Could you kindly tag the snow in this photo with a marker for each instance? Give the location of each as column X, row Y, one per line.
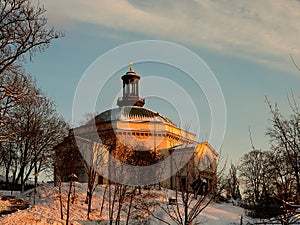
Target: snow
column 223, row 214
column 4, row 205
column 46, row 211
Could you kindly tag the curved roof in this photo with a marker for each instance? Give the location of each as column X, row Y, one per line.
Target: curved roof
column 131, row 113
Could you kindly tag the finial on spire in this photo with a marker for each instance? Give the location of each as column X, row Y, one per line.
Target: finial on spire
column 130, row 66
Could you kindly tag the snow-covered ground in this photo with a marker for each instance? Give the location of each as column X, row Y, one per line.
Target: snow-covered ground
column 46, row 211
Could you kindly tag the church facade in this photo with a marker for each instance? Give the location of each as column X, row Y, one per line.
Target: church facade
column 129, row 130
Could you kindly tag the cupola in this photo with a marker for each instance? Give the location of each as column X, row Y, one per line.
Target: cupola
column 131, row 90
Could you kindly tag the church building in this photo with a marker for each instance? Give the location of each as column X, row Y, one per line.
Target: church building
column 140, row 137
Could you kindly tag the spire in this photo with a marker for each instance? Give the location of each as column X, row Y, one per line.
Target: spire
column 130, row 66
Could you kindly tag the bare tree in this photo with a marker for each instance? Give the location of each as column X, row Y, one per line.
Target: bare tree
column 64, row 171
column 94, row 160
column 233, row 185
column 16, row 88
column 284, row 135
column 37, row 129
column 121, row 195
column 23, row 31
column 277, row 172
column 120, row 202
column 253, row 170
column 72, row 178
column 193, row 193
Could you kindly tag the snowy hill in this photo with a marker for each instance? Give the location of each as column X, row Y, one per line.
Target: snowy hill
column 47, row 209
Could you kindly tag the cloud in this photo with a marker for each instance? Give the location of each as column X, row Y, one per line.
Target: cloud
column 264, row 31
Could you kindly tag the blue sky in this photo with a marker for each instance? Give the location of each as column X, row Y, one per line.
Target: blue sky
column 247, row 45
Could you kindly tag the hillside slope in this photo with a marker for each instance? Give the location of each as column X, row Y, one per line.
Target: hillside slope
column 47, row 208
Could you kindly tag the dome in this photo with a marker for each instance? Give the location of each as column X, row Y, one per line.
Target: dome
column 131, row 113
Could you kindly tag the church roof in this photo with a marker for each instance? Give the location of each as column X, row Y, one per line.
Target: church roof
column 131, row 113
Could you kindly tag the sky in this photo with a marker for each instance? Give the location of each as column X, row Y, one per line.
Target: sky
column 247, row 46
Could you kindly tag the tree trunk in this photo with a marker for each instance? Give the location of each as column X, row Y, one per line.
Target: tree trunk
column 186, row 222
column 103, row 200
column 22, row 183
column 112, row 206
column 35, row 184
column 129, row 207
column 68, row 203
column 90, row 202
column 298, row 186
column 60, row 200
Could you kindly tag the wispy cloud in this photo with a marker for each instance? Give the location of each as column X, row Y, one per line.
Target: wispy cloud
column 264, row 31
